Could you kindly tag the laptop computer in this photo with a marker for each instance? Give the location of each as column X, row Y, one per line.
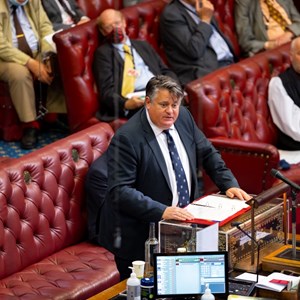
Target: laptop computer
column 185, row 275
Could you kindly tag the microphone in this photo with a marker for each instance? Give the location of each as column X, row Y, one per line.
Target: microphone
column 237, row 225
column 275, row 173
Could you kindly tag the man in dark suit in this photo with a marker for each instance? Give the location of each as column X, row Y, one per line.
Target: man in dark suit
column 64, row 13
column 108, row 67
column 193, row 43
column 142, row 186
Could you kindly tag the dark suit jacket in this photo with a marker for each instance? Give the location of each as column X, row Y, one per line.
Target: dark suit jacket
column 138, row 182
column 187, row 44
column 108, row 69
column 54, row 15
column 95, row 188
column 250, row 25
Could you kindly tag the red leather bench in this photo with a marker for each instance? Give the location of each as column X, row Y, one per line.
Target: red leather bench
column 43, row 222
column 76, row 47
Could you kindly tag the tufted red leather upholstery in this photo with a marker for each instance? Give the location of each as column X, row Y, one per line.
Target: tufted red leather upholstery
column 92, row 9
column 76, row 47
column 230, row 105
column 44, row 253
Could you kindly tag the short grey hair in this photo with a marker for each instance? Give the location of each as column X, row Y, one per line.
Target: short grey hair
column 159, row 82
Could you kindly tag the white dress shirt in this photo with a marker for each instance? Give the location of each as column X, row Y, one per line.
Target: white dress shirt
column 285, row 113
column 163, row 144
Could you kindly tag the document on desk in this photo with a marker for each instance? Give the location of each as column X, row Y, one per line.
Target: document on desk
column 216, row 208
column 275, row 281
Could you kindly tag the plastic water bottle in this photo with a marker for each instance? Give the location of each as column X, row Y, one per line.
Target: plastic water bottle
column 151, row 246
column 133, row 287
column 207, row 294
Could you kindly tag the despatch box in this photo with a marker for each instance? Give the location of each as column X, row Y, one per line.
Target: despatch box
column 175, row 236
column 269, row 226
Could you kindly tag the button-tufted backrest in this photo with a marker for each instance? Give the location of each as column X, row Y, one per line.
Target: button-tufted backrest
column 143, row 23
column 232, row 102
column 42, row 204
column 93, row 8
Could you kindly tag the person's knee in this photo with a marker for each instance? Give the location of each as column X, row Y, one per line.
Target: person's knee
column 19, row 74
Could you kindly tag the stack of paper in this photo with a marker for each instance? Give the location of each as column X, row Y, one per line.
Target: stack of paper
column 216, row 208
column 274, row 282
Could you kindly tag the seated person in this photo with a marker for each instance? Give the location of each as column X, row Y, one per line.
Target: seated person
column 284, row 101
column 118, row 71
column 193, row 43
column 64, row 13
column 265, row 24
column 22, row 30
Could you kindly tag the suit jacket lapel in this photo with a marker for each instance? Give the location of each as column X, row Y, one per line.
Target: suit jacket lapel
column 153, row 144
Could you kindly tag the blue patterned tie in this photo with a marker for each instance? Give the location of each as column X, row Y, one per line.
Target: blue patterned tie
column 182, row 185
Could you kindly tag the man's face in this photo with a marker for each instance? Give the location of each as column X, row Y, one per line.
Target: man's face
column 295, row 56
column 110, row 20
column 163, row 109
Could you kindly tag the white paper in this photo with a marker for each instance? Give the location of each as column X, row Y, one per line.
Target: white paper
column 49, row 39
column 264, row 281
column 141, row 94
column 208, row 238
column 292, row 157
column 215, row 208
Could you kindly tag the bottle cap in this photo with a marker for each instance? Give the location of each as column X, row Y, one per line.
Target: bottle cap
column 147, row 281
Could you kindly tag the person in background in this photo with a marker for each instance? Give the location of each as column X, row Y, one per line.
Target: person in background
column 192, row 41
column 64, row 13
column 265, row 24
column 284, row 101
column 23, row 28
column 123, row 66
column 143, row 184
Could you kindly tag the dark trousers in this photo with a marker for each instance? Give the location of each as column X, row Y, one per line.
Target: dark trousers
column 122, row 265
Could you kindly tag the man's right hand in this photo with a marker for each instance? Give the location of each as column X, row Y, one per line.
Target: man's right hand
column 205, row 10
column 177, row 213
column 39, row 71
column 133, row 103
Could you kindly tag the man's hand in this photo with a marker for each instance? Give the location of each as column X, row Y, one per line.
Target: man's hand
column 39, row 71
column 177, row 213
column 239, row 193
column 205, row 10
column 283, row 39
column 133, row 103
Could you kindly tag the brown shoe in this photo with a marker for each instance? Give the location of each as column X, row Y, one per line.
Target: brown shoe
column 29, row 139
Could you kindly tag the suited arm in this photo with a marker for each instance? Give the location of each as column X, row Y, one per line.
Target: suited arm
column 126, row 179
column 177, row 33
column 214, row 165
column 244, row 27
column 295, row 18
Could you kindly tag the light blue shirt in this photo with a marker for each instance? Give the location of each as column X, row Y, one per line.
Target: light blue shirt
column 216, row 41
column 144, row 74
column 27, row 30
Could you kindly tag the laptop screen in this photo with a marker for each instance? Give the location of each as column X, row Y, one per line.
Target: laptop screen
column 186, row 274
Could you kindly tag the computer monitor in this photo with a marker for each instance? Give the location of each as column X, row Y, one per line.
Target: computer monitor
column 185, row 275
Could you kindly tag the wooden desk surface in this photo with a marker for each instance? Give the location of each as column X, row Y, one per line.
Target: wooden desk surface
column 110, row 292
